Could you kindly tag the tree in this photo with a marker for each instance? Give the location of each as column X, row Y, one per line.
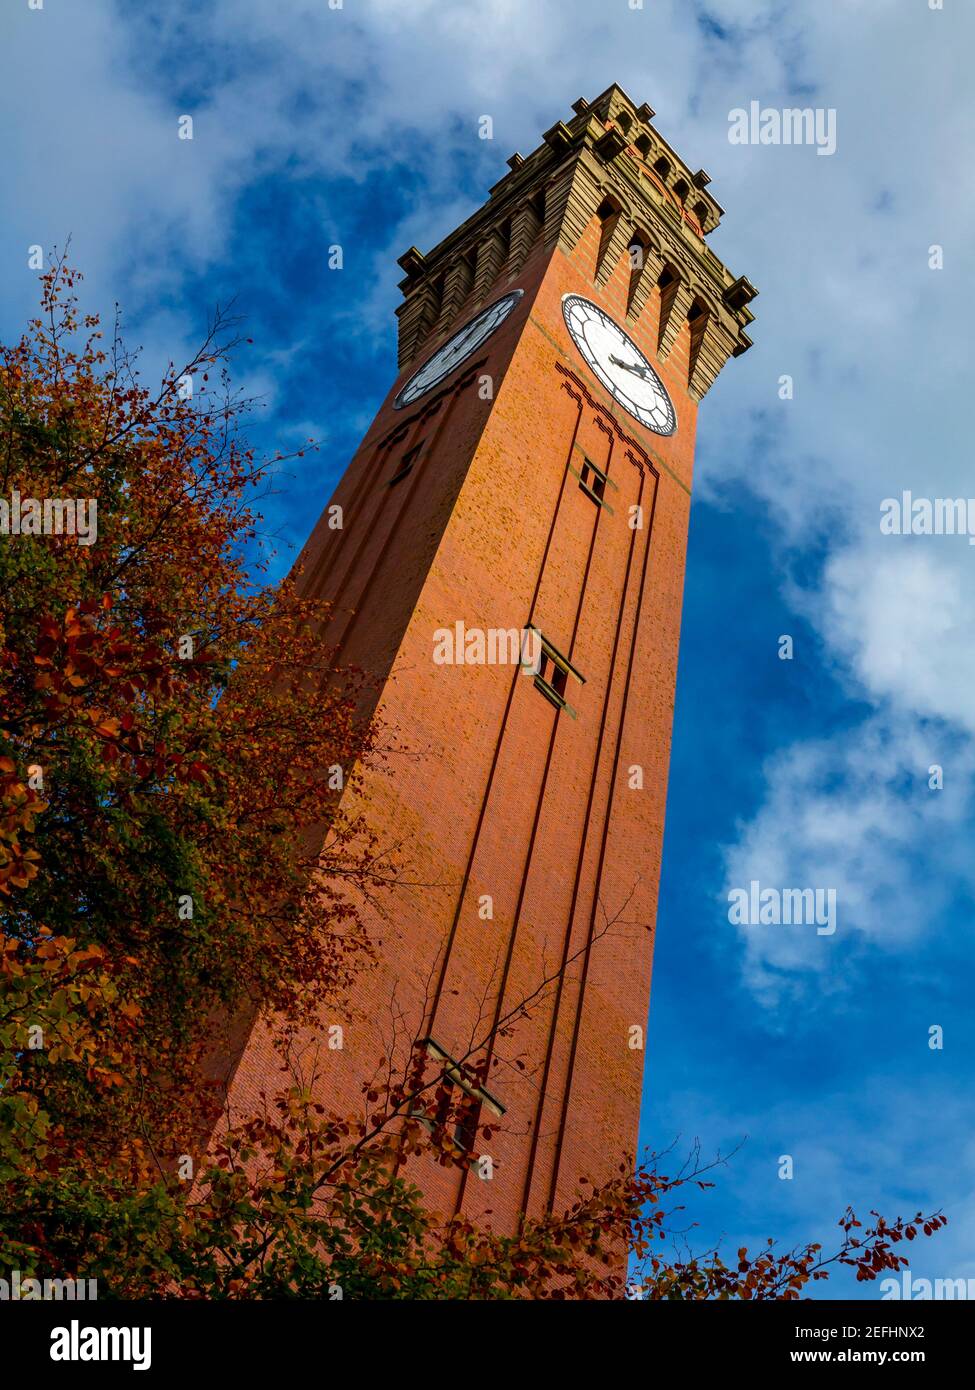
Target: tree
column 169, row 851
column 171, row 855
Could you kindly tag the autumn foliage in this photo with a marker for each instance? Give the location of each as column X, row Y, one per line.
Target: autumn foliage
column 171, row 855
column 166, row 852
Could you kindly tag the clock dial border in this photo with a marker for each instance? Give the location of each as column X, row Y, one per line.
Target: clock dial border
column 404, row 398
column 640, row 413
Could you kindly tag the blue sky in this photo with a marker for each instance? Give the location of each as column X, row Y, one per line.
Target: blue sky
column 358, row 126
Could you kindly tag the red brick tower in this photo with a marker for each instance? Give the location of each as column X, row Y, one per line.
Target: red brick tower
column 530, row 469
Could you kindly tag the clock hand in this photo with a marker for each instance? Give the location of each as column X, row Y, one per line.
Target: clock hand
column 633, row 367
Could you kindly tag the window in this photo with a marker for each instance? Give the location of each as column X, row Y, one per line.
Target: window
column 552, row 676
column 462, row 1101
column 637, row 251
column 553, row 673
column 505, row 233
column 592, row 481
column 406, row 463
column 609, row 213
column 697, row 316
column 466, row 1108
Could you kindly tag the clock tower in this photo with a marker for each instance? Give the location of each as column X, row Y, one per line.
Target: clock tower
column 504, row 556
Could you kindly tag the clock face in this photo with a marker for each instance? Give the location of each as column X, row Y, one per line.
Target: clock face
column 619, row 364
column 465, row 341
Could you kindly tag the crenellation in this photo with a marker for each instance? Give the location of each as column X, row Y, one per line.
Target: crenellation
column 608, row 159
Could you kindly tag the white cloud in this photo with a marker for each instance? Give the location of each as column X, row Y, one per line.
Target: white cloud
column 900, row 612
column 855, row 813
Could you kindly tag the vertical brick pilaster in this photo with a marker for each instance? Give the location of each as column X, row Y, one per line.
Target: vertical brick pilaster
column 571, row 199
column 675, row 300
column 490, row 258
column 416, row 317
column 525, row 227
column 457, row 286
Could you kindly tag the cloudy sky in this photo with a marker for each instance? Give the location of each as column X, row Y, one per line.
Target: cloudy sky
column 358, row 124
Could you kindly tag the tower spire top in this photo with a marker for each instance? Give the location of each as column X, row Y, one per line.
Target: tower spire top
column 607, row 161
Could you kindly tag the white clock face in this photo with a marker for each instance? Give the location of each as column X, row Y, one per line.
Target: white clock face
column 465, row 341
column 619, row 364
